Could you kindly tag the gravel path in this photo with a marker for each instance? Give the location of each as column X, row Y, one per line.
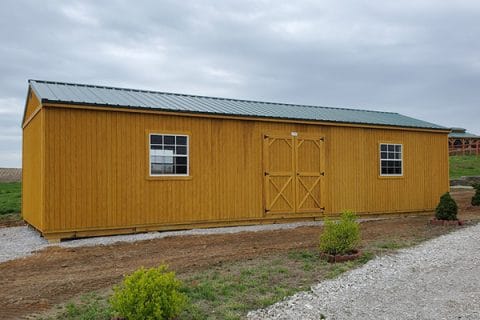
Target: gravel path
column 439, row 279
column 19, row 242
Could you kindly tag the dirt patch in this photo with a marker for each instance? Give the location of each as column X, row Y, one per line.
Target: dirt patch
column 55, row 274
column 11, row 220
column 464, row 201
column 10, row 175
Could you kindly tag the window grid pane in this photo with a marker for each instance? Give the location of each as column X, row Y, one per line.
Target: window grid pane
column 390, row 159
column 168, row 154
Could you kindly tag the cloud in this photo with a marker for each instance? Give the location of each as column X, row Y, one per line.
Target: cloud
column 10, row 136
column 419, row 58
column 79, row 14
column 11, row 112
column 11, row 106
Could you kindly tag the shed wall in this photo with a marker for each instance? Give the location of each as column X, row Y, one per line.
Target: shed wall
column 96, row 170
column 32, row 171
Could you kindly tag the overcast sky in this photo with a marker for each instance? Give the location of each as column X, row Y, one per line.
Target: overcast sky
column 418, row 58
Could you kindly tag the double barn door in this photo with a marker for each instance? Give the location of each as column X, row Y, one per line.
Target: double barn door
column 293, row 173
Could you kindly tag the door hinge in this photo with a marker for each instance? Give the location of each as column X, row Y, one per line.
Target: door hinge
column 322, row 174
column 322, row 139
column 322, row 208
column 266, row 210
column 266, row 173
column 265, row 136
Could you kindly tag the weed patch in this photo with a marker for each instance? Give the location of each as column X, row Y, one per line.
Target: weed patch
column 90, row 307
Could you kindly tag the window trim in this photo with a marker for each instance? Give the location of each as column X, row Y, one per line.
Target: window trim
column 379, row 157
column 169, row 176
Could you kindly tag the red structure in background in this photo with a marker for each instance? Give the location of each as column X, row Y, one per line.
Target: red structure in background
column 461, row 142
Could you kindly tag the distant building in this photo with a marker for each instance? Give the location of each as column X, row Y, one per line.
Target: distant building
column 461, row 142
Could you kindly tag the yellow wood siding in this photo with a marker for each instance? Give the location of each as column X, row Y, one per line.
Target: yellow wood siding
column 353, row 178
column 96, row 164
column 32, row 171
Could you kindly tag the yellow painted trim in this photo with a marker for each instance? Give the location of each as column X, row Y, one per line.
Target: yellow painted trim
column 253, row 118
column 43, row 169
column 37, row 110
column 379, row 161
column 23, row 175
column 172, row 177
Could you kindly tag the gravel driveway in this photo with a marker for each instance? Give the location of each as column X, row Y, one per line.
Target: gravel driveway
column 439, row 279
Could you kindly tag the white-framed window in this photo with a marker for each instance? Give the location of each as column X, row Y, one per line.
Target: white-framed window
column 168, row 154
column 391, row 159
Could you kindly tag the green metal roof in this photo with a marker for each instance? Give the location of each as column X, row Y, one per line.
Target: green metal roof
column 70, row 93
column 461, row 133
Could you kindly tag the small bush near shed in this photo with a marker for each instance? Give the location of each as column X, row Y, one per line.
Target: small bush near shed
column 476, row 197
column 447, row 208
column 149, row 294
column 341, row 237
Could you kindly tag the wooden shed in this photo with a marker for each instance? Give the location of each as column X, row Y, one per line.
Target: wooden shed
column 101, row 160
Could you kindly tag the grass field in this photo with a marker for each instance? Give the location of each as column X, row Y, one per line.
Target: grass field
column 464, row 166
column 10, row 197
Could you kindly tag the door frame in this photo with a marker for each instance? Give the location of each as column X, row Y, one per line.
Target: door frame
column 293, row 137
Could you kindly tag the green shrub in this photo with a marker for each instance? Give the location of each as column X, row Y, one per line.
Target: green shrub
column 476, row 197
column 447, row 208
column 149, row 294
column 340, row 237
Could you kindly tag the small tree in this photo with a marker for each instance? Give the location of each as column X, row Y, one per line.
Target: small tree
column 149, row 294
column 476, row 197
column 447, row 208
column 340, row 237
